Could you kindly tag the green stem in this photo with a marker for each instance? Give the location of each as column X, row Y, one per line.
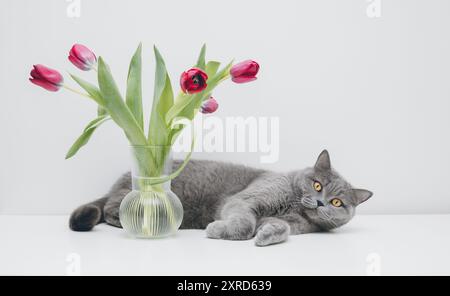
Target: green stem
column 152, row 195
column 77, row 92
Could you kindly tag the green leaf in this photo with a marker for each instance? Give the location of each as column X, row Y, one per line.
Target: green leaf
column 134, row 86
column 91, row 89
column 93, row 92
column 201, row 58
column 86, row 135
column 211, row 68
column 116, row 107
column 162, row 102
column 101, row 111
column 181, row 101
column 221, row 75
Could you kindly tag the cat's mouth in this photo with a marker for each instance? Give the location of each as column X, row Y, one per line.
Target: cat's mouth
column 326, row 217
column 317, row 210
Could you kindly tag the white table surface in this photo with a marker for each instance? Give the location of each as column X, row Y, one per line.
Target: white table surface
column 386, row 245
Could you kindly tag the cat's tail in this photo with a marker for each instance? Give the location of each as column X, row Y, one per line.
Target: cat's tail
column 85, row 217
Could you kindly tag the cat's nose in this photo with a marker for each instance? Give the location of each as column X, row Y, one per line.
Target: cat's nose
column 319, row 203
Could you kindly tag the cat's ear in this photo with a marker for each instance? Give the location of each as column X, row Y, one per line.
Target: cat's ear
column 361, row 195
column 323, row 162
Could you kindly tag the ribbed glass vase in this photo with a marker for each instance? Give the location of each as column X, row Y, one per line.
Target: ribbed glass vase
column 151, row 209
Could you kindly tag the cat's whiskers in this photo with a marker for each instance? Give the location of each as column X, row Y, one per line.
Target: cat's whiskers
column 334, row 224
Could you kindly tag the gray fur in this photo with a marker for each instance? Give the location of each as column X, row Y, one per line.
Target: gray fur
column 235, row 202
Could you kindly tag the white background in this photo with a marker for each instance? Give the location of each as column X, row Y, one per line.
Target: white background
column 374, row 91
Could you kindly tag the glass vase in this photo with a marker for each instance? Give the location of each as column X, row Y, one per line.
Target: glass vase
column 151, row 209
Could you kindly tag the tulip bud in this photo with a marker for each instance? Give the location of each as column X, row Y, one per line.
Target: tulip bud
column 193, row 81
column 47, row 78
column 209, row 106
column 82, row 57
column 244, row 71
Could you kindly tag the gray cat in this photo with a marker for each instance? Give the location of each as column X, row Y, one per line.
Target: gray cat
column 235, row 202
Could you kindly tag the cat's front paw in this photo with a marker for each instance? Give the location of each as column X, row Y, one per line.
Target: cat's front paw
column 270, row 234
column 236, row 229
column 216, row 229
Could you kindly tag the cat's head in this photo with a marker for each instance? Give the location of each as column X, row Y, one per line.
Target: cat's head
column 327, row 199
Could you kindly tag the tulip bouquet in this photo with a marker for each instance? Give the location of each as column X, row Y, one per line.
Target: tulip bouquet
column 168, row 117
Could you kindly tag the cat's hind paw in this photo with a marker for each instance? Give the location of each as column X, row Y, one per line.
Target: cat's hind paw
column 85, row 218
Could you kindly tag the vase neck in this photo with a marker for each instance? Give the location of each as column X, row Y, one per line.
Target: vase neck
column 149, row 163
column 147, row 184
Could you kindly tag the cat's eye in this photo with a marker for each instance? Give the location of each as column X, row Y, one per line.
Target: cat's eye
column 317, row 186
column 336, row 202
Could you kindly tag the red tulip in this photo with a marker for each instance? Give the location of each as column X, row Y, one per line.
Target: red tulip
column 209, row 106
column 82, row 57
column 47, row 78
column 193, row 81
column 244, row 71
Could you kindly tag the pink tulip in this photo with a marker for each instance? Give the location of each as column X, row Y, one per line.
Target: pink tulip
column 82, row 57
column 244, row 71
column 209, row 106
column 47, row 78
